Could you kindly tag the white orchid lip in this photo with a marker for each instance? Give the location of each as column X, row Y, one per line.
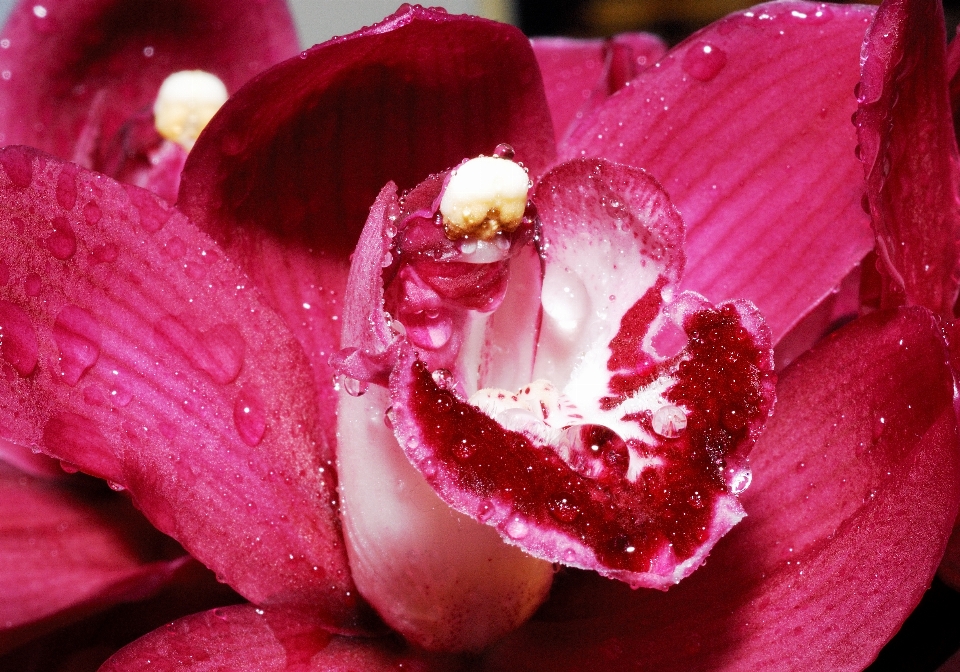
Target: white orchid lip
column 484, row 196
column 185, row 104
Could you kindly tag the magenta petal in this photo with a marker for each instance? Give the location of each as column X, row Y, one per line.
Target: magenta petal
column 578, row 75
column 285, row 174
column 75, row 72
column 243, row 638
column 65, row 554
column 183, row 387
column 857, row 482
column 906, row 135
column 571, row 70
column 728, row 122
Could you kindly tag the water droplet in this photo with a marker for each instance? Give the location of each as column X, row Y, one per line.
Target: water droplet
column 517, row 528
column 444, row 379
column 77, row 335
column 67, row 187
column 593, row 451
column 116, row 487
column 563, row 508
column 704, row 61
column 739, row 481
column 485, row 510
column 18, row 339
column 354, row 387
column 669, row 421
column 504, row 151
column 388, row 418
column 250, row 415
column 175, row 248
column 92, row 213
column 62, row 243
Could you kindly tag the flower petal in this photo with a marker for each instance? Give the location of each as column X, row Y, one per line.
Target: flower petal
column 578, row 75
column 856, row 469
column 285, row 175
column 151, row 363
column 66, row 554
column 905, row 128
column 728, row 122
column 243, row 638
column 74, row 73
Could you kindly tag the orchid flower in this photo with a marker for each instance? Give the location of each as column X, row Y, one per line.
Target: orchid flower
column 81, row 79
column 218, row 320
column 75, row 80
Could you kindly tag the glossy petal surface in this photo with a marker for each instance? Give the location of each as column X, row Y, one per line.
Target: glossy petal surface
column 906, row 135
column 66, row 553
column 140, row 354
column 284, row 176
column 246, row 639
column 74, row 73
column 728, row 122
column 857, row 468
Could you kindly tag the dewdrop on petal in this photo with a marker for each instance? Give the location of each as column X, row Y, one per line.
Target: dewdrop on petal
column 484, row 196
column 186, row 102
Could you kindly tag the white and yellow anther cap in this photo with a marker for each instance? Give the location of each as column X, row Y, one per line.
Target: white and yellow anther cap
column 484, row 196
column 186, row 102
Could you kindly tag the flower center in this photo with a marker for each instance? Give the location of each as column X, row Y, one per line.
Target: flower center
column 484, row 196
column 186, row 102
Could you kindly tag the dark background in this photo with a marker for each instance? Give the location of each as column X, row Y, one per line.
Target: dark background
column 672, row 19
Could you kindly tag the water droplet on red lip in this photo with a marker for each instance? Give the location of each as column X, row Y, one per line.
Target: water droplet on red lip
column 563, row 508
column 669, row 421
column 740, row 481
column 250, row 416
column 18, row 339
column 704, row 61
column 78, row 336
column 517, row 528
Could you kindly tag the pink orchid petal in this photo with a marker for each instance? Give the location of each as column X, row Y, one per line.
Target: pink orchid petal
column 29, row 462
column 855, row 491
column 75, row 72
column 571, row 71
column 905, row 128
column 65, row 554
column 285, row 175
column 728, row 122
column 160, row 370
column 580, row 74
column 243, row 638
